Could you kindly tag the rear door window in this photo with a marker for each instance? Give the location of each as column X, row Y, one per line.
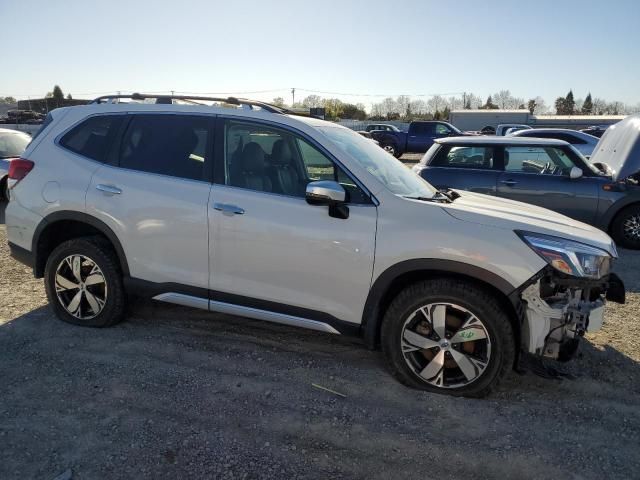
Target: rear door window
column 93, row 137
column 421, row 129
column 174, row 145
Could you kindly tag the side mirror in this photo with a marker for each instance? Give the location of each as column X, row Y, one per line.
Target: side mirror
column 330, row 193
column 325, row 192
column 575, row 173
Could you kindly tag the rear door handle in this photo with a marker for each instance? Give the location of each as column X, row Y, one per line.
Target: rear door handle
column 509, row 183
column 228, row 209
column 109, row 189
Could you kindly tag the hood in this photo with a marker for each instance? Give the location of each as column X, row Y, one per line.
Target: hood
column 512, row 215
column 619, row 148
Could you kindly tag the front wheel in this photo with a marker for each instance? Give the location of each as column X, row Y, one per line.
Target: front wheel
column 84, row 283
column 448, row 336
column 4, row 189
column 625, row 228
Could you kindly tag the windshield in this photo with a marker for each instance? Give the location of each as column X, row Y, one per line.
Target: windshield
column 12, row 144
column 391, row 172
column 455, row 129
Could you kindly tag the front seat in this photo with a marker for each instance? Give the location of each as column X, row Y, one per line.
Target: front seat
column 252, row 173
column 282, row 171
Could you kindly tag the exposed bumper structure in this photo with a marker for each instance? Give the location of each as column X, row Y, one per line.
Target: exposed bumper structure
column 560, row 309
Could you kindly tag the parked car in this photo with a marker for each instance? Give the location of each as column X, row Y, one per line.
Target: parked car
column 596, row 131
column 295, row 220
column 12, row 144
column 383, row 127
column 583, row 142
column 417, row 140
column 501, row 130
column 548, row 173
column 368, row 135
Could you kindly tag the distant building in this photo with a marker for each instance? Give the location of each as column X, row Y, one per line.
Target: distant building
column 478, row 119
column 44, row 105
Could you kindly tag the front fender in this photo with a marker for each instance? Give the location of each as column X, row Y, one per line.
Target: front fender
column 383, row 286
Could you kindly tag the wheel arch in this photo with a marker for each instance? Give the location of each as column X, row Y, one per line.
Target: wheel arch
column 397, row 277
column 64, row 225
column 615, row 209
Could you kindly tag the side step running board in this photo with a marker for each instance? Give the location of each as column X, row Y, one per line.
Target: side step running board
column 255, row 313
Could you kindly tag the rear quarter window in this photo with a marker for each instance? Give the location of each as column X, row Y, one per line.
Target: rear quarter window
column 464, row 156
column 92, row 137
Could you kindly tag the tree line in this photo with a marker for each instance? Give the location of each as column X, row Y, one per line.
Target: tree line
column 404, row 108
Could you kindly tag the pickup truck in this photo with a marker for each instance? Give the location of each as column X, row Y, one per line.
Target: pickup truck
column 418, row 139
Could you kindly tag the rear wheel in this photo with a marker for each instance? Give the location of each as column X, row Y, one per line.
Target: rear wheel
column 625, row 228
column 391, row 148
column 448, row 336
column 84, row 283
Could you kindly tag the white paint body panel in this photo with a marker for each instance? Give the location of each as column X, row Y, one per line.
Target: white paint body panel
column 284, row 250
column 160, row 221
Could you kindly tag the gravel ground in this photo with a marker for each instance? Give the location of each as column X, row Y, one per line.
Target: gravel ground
column 180, row 393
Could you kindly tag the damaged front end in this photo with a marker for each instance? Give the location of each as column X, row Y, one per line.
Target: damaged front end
column 560, row 309
column 567, row 298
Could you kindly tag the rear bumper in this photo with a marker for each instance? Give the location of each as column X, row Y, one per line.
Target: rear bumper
column 22, row 255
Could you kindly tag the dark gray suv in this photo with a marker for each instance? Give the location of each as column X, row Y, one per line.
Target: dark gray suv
column 603, row 191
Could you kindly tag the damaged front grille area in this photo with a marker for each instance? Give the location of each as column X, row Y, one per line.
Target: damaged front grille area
column 559, row 310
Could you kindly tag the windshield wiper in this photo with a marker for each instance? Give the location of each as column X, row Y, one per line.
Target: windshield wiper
column 450, row 194
column 438, row 198
column 422, row 199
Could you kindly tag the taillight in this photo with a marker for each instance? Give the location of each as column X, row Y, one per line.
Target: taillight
column 19, row 168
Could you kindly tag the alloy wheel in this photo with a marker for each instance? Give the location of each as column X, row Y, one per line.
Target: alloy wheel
column 631, row 228
column 445, row 345
column 81, row 287
column 390, row 149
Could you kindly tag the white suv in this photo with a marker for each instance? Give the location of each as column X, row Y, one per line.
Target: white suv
column 258, row 213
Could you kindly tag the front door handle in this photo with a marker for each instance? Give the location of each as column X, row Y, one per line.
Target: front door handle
column 509, row 183
column 109, row 189
column 228, row 209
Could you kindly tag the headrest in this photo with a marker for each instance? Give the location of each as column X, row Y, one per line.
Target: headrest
column 281, row 153
column 506, row 158
column 252, row 158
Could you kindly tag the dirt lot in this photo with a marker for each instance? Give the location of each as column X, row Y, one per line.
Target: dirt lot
column 180, row 393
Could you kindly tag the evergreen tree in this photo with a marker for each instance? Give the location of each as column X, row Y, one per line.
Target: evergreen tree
column 569, row 104
column 490, row 105
column 57, row 93
column 587, row 106
column 531, row 105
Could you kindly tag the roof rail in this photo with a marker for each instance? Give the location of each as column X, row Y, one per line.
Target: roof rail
column 168, row 99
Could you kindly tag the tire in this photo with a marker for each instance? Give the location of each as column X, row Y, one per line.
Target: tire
column 625, row 228
column 87, row 291
column 391, row 148
column 485, row 361
column 4, row 189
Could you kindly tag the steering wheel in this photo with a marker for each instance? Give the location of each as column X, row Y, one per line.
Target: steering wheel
column 546, row 168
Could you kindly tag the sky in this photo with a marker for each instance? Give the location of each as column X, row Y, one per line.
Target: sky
column 358, row 51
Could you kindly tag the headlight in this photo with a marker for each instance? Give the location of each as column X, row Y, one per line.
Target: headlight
column 567, row 256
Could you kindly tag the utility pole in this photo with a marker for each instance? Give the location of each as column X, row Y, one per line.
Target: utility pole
column 293, row 96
